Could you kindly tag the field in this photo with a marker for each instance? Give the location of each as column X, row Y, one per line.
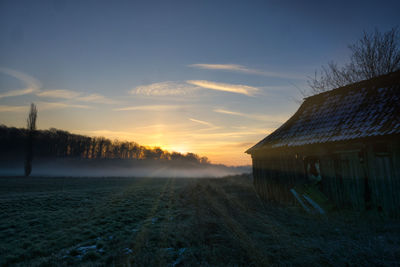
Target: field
column 177, row 222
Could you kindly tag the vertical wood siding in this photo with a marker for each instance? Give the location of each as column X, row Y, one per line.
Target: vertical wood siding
column 275, row 176
column 353, row 183
column 355, row 179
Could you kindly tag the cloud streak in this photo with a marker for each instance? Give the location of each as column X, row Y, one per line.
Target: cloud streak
column 77, row 96
column 17, row 92
column 41, row 106
column 202, row 122
column 226, row 87
column 260, row 117
column 189, row 87
column 7, row 108
column 59, row 105
column 65, row 94
column 96, row 98
column 243, row 69
column 167, row 88
column 31, row 84
column 150, row 108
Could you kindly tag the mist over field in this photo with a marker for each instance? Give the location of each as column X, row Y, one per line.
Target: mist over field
column 60, row 153
column 120, row 168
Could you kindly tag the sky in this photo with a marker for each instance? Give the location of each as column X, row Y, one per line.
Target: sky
column 209, row 77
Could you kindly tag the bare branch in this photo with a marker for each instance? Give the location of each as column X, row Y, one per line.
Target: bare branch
column 373, row 55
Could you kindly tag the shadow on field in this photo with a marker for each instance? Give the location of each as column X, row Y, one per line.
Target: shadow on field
column 177, row 222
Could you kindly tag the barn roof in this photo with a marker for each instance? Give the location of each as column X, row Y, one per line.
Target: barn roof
column 364, row 109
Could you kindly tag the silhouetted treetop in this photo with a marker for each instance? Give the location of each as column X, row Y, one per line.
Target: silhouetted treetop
column 374, row 54
column 54, row 143
column 31, row 128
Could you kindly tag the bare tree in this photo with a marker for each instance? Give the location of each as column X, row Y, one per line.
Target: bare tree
column 373, row 55
column 31, row 125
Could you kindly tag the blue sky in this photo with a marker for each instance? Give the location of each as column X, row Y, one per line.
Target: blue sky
column 211, row 77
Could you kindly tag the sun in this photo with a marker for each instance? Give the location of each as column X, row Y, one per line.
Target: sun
column 181, row 149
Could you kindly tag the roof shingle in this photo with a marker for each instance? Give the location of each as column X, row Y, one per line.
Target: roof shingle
column 367, row 108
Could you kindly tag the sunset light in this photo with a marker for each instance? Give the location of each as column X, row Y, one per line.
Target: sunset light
column 199, row 133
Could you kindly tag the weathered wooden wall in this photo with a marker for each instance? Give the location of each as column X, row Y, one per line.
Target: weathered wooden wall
column 274, row 176
column 384, row 177
column 343, row 179
column 358, row 175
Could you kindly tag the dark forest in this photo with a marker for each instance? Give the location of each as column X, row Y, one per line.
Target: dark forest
column 55, row 143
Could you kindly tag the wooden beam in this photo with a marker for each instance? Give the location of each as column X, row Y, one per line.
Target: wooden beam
column 300, row 201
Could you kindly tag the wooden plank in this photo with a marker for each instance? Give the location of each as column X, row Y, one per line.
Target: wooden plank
column 314, row 204
column 263, row 179
column 297, row 197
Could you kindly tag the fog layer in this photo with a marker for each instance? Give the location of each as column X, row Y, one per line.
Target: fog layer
column 120, row 168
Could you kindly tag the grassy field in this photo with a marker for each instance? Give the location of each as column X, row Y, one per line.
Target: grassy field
column 177, row 222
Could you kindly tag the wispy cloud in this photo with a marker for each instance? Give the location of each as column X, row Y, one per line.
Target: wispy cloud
column 65, row 94
column 31, row 84
column 224, row 111
column 77, row 96
column 18, row 92
column 202, row 122
column 233, row 67
column 260, row 117
column 226, row 87
column 242, row 144
column 224, row 135
column 6, row 108
column 96, row 98
column 243, row 69
column 41, row 106
column 189, row 87
column 150, row 108
column 164, row 89
column 59, row 105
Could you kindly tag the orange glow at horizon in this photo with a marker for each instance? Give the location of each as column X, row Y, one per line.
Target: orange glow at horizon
column 210, row 122
column 221, row 152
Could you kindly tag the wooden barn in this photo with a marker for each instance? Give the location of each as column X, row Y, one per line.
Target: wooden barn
column 346, row 141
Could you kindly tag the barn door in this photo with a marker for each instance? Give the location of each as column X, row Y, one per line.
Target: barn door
column 385, row 194
column 331, row 184
column 351, row 174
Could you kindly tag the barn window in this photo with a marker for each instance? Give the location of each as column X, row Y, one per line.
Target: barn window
column 312, row 168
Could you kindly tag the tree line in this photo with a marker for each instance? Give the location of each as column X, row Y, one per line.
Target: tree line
column 55, row 143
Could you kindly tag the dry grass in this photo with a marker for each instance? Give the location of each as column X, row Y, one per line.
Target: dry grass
column 177, row 222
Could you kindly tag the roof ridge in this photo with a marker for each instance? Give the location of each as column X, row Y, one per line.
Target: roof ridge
column 363, row 109
column 359, row 84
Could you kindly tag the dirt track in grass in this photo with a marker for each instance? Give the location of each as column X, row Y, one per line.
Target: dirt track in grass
column 177, row 222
